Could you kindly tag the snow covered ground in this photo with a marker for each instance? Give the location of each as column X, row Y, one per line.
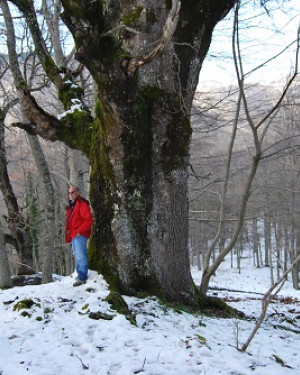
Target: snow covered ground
column 56, row 336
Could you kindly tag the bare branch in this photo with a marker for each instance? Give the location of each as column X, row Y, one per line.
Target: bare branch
column 116, row 30
column 265, row 302
column 53, row 72
column 288, row 85
column 167, row 33
column 33, row 112
column 130, row 65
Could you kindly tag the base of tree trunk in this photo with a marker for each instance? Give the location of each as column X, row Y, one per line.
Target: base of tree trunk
column 217, row 308
column 213, row 306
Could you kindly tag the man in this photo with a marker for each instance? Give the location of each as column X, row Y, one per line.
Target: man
column 78, row 229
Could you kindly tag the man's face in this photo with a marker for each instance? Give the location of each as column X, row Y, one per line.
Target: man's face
column 73, row 193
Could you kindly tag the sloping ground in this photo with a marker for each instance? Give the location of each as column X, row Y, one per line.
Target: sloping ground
column 56, row 329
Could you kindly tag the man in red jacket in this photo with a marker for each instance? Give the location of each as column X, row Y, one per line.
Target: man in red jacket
column 78, row 229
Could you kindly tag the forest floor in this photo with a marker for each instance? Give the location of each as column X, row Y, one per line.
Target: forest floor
column 65, row 330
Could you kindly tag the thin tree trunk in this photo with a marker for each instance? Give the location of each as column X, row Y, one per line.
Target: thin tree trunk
column 66, row 248
column 78, row 168
column 286, row 246
column 49, row 211
column 268, row 247
column 260, row 253
column 255, row 243
column 20, row 236
column 295, row 268
column 238, row 255
column 278, row 238
column 267, row 240
column 271, row 265
column 5, row 279
column 33, row 218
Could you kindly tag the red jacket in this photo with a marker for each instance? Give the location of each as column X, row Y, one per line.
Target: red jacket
column 79, row 220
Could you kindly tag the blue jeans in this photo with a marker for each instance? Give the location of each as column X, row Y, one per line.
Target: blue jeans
column 79, row 247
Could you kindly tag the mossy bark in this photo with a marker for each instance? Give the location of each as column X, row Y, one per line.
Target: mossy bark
column 142, row 216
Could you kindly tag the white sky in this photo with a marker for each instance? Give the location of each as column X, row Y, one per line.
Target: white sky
column 67, row 342
column 262, row 38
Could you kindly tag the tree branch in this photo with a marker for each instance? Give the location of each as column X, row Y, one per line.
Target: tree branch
column 288, row 85
column 52, row 71
column 33, row 112
column 41, row 122
column 167, row 33
column 266, row 300
column 130, row 65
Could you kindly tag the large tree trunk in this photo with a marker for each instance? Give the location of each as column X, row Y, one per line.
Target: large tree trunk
column 139, row 196
column 140, row 148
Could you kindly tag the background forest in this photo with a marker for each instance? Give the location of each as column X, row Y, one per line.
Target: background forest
column 270, row 231
column 272, row 219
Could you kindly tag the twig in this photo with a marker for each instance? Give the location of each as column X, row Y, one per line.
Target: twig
column 266, row 301
column 85, row 367
column 141, row 369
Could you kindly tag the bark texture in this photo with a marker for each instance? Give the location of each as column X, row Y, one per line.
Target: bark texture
column 5, row 280
column 49, row 212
